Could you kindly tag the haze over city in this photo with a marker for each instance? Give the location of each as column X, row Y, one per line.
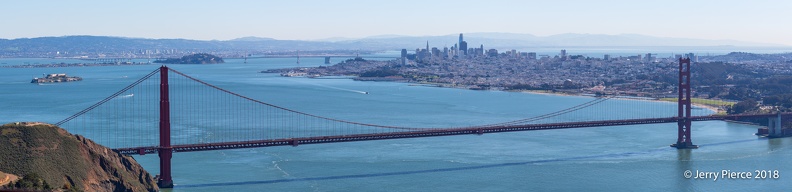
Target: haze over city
column 749, row 21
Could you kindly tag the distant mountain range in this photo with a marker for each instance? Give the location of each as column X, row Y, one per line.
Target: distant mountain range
column 105, row 44
column 514, row 40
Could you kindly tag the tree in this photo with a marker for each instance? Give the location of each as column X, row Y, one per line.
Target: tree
column 30, row 182
column 743, row 106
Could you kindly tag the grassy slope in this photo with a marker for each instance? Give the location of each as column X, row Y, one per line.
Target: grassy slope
column 61, row 158
column 41, row 149
column 708, row 102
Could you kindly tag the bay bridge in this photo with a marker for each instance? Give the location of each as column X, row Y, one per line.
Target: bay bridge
column 167, row 114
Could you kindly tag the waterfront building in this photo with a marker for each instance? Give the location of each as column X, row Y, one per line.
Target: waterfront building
column 532, row 55
column 492, row 53
column 563, row 54
column 418, row 54
column 436, row 52
column 456, row 49
column 477, row 52
column 691, row 56
column 404, row 56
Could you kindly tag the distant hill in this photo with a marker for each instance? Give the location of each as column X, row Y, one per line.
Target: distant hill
column 252, row 39
column 97, row 45
column 516, row 40
column 743, row 57
column 200, row 58
column 59, row 160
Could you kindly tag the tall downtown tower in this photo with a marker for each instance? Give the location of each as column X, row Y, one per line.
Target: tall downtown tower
column 462, row 46
column 460, row 39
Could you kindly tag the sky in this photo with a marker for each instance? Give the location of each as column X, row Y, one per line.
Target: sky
column 760, row 21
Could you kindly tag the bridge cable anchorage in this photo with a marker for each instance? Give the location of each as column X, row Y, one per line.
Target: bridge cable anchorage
column 114, row 95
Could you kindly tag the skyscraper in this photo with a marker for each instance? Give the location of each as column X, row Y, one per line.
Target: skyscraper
column 427, row 45
column 460, row 49
column 456, row 49
column 463, row 48
column 460, row 39
column 404, row 56
column 532, row 55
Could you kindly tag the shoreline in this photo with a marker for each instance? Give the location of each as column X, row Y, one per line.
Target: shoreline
column 714, row 110
column 72, row 65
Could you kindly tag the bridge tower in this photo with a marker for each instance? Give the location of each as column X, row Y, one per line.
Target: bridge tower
column 774, row 126
column 165, row 151
column 683, row 118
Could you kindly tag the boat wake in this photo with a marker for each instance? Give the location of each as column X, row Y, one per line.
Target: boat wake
column 126, row 96
column 331, row 87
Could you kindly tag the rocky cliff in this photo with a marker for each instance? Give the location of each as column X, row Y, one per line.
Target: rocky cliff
column 67, row 162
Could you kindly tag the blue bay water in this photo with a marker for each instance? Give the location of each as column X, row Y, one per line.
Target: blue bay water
column 621, row 158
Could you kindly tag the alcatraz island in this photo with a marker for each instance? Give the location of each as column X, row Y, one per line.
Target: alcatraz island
column 55, row 78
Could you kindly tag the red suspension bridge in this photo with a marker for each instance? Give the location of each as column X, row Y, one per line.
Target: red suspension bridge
column 167, row 111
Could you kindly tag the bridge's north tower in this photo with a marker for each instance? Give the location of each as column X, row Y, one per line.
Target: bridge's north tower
column 683, row 118
column 165, row 151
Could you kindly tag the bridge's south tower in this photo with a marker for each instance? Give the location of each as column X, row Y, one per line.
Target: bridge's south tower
column 683, row 117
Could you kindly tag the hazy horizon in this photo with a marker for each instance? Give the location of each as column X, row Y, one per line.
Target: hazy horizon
column 319, row 20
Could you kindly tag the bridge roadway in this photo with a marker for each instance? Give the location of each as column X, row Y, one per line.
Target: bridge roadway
column 425, row 133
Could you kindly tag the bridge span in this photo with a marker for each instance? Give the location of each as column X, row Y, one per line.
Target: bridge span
column 422, row 133
column 166, row 116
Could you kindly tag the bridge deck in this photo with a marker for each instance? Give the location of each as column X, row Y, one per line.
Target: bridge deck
column 418, row 133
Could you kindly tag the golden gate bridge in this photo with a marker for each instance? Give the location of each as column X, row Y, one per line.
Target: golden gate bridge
column 163, row 113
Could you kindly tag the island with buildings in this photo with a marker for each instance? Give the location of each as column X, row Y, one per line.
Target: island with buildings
column 55, row 78
column 200, row 58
